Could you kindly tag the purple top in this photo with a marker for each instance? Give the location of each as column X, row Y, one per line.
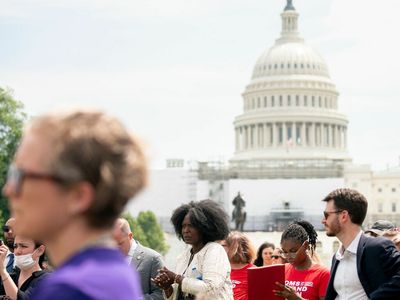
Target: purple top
column 94, row 273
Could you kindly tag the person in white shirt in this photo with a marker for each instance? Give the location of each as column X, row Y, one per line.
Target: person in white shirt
column 363, row 267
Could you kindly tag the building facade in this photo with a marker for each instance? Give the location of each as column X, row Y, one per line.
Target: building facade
column 381, row 188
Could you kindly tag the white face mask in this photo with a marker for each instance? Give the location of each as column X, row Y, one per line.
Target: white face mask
column 24, row 262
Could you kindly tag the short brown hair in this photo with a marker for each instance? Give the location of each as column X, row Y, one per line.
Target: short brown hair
column 94, row 147
column 350, row 200
column 240, row 248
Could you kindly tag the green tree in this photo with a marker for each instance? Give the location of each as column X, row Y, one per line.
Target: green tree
column 12, row 119
column 137, row 231
column 152, row 229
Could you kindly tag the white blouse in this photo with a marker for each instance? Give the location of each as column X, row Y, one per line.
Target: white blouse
column 208, row 273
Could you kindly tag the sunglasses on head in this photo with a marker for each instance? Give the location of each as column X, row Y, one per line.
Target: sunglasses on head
column 6, row 228
column 275, row 256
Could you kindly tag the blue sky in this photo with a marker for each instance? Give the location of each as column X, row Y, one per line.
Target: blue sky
column 174, row 70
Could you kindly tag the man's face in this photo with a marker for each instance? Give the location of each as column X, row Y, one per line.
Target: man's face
column 9, row 234
column 331, row 219
column 38, row 208
column 123, row 240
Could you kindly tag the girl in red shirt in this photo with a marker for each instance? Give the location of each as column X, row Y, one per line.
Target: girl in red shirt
column 304, row 279
column 241, row 253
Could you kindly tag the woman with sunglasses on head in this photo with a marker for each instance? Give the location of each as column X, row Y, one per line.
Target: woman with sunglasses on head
column 304, row 279
column 277, row 258
column 28, row 258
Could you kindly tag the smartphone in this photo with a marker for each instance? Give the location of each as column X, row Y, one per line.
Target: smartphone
column 1, row 242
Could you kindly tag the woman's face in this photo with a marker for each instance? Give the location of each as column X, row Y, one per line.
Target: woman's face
column 190, row 234
column 266, row 255
column 24, row 246
column 294, row 251
column 276, row 257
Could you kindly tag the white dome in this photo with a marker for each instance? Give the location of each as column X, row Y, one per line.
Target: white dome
column 290, row 58
column 290, row 126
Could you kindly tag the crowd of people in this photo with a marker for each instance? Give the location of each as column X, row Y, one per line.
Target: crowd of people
column 69, row 182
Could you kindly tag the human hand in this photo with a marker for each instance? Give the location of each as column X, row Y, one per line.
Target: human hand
column 286, row 292
column 3, row 256
column 164, row 279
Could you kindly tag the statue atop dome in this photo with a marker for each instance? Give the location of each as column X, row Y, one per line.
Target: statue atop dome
column 289, row 5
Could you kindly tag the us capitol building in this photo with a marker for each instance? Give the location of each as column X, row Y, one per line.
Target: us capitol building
column 290, row 126
column 290, row 148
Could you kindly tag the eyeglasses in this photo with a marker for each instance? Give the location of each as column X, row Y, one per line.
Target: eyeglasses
column 292, row 254
column 16, row 177
column 6, row 228
column 275, row 256
column 327, row 213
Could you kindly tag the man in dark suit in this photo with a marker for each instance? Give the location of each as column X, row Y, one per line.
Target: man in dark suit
column 363, row 267
column 9, row 236
column 146, row 261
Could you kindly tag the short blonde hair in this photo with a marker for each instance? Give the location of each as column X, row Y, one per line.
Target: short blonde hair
column 92, row 146
column 239, row 248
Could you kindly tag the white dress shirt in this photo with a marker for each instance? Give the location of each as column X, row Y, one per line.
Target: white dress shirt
column 132, row 249
column 346, row 282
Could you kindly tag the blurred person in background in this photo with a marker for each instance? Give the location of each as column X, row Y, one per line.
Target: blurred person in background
column 71, row 177
column 241, row 253
column 203, row 268
column 379, row 227
column 394, row 236
column 9, row 236
column 264, row 253
column 277, row 257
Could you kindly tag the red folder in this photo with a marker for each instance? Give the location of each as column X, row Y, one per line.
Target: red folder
column 261, row 282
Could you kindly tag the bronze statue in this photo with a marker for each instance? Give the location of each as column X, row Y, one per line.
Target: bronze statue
column 239, row 214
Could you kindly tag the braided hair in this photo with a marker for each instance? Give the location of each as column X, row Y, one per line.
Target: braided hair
column 301, row 231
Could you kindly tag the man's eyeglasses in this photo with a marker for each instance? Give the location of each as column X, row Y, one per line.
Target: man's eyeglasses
column 16, row 177
column 327, row 213
column 275, row 256
column 292, row 254
column 6, row 228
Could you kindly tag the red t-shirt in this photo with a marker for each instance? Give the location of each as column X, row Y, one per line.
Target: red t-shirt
column 310, row 284
column 239, row 282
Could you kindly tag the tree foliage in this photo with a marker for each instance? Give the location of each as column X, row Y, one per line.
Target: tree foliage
column 152, row 229
column 147, row 231
column 12, row 119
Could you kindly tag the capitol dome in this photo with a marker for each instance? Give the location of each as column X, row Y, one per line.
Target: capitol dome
column 290, row 126
column 290, row 58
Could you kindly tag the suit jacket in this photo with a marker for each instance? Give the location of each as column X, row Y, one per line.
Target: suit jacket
column 147, row 263
column 378, row 268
